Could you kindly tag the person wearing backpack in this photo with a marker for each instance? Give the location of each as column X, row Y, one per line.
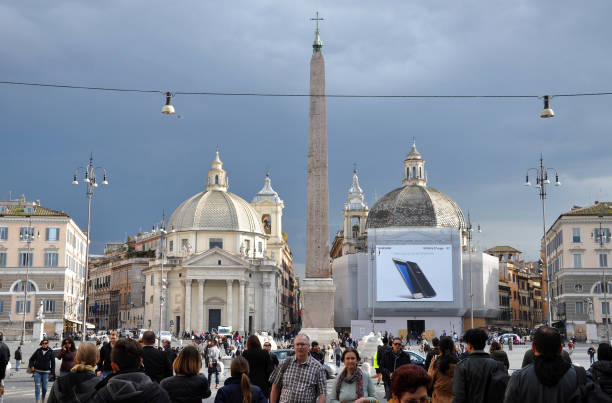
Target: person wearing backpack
column 601, row 370
column 478, row 378
column 549, row 378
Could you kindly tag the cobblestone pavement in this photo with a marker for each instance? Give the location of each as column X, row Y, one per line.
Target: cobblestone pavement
column 19, row 386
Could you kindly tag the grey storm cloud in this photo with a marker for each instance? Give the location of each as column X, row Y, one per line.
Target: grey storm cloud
column 477, row 151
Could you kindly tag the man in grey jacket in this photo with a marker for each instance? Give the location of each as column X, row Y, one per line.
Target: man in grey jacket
column 549, row 378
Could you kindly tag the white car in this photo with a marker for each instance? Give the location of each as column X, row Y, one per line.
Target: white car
column 224, row 331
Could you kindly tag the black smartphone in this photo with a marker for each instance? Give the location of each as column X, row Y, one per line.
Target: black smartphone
column 404, row 271
column 419, row 277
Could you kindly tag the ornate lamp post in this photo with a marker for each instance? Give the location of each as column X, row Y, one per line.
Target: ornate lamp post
column 91, row 181
column 541, row 181
column 470, row 229
column 28, row 263
column 603, row 238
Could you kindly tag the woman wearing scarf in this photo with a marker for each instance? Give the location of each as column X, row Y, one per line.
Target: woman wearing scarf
column 352, row 384
column 80, row 382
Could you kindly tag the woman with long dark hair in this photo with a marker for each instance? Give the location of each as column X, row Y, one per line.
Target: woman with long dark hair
column 42, row 365
column 442, row 370
column 260, row 364
column 238, row 388
column 498, row 353
column 67, row 354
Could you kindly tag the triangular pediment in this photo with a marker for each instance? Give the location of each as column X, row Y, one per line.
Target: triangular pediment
column 211, row 257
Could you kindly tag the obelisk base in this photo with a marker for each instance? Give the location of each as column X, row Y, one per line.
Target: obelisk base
column 318, row 310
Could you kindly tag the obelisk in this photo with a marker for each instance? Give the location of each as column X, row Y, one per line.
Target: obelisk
column 318, row 287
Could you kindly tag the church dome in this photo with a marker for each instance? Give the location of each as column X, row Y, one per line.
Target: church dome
column 216, row 208
column 415, row 206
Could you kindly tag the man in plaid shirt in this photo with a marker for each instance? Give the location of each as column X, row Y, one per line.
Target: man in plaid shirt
column 300, row 378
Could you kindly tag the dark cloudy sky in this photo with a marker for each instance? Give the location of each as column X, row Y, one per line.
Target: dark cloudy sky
column 477, row 151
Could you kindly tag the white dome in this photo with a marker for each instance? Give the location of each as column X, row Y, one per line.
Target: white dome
column 215, row 210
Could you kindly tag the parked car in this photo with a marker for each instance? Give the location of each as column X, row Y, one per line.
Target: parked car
column 416, row 358
column 224, row 331
column 507, row 336
column 331, row 371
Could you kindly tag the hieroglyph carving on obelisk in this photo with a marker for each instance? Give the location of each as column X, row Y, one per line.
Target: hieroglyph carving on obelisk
column 317, row 213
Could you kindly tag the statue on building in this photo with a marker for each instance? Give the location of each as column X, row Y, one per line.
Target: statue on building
column 590, row 312
column 39, row 314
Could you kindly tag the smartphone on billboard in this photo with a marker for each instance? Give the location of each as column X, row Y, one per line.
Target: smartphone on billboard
column 415, row 279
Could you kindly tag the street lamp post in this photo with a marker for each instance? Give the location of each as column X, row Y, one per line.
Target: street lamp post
column 28, row 262
column 470, row 229
column 162, row 281
column 91, row 182
column 604, row 282
column 541, row 181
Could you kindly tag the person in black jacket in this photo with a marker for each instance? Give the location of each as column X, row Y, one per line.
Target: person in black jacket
column 155, row 363
column 188, row 385
column 238, row 387
column 316, row 352
column 128, row 383
column 601, row 370
column 42, row 365
column 260, row 364
column 392, row 359
column 5, row 358
column 435, row 351
column 81, row 381
column 473, row 373
column 104, row 365
column 170, row 353
column 268, row 347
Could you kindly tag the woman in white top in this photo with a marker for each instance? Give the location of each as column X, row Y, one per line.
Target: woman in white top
column 353, row 384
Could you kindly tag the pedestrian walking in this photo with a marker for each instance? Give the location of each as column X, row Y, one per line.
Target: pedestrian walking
column 410, row 383
column 214, row 355
column 300, row 378
column 478, row 378
column 273, row 358
column 155, row 362
column 188, row 385
column 338, row 354
column 128, row 383
column 590, row 352
column 5, row 359
column 441, row 371
column 42, row 365
column 238, row 388
column 549, row 378
column 392, row 359
column 79, row 384
column 18, row 358
column 260, row 364
column 316, row 352
column 104, row 364
column 67, row 354
column 169, row 351
column 601, row 370
column 352, row 384
column 497, row 353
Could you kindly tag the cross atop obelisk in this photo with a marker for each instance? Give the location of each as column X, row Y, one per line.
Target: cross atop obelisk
column 318, row 287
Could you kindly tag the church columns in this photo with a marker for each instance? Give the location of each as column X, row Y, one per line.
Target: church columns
column 241, row 307
column 188, row 305
column 201, row 304
column 229, row 303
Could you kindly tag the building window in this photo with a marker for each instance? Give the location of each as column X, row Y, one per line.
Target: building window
column 575, row 235
column 25, row 259
column 52, row 234
column 152, row 279
column 3, row 233
column 598, row 235
column 603, row 260
column 184, row 244
column 260, row 247
column 605, row 308
column 3, row 209
column 19, row 307
column 247, row 245
column 50, row 285
column 215, row 243
column 49, row 305
column 578, row 287
column 51, row 259
column 2, row 259
column 1, row 306
column 171, row 246
column 267, row 223
column 26, row 234
column 577, row 260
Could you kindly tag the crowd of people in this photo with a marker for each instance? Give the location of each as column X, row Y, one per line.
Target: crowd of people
column 126, row 370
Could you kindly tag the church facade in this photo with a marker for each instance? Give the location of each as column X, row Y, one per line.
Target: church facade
column 227, row 263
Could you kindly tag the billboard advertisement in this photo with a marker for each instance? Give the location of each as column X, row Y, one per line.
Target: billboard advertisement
column 414, row 273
